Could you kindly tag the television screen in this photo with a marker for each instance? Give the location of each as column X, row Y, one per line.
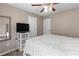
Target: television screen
column 22, row 27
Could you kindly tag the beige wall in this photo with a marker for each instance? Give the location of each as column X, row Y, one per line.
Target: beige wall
column 16, row 15
column 66, row 23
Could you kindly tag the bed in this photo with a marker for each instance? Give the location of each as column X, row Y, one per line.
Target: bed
column 52, row 45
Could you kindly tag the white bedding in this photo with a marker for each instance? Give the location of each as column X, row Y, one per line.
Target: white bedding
column 52, row 45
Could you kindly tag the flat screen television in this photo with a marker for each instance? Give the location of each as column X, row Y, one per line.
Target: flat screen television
column 22, row 27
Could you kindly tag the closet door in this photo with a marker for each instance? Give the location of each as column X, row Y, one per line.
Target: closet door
column 33, row 26
column 47, row 26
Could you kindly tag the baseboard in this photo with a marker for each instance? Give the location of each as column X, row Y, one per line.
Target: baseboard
column 8, row 51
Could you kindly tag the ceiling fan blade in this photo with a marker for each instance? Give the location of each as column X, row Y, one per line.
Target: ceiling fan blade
column 44, row 4
column 55, row 3
column 36, row 4
column 42, row 10
column 53, row 9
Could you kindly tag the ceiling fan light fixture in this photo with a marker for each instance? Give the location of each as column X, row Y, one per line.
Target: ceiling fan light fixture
column 45, row 9
column 50, row 8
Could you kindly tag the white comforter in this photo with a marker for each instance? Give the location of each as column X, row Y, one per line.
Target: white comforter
column 52, row 45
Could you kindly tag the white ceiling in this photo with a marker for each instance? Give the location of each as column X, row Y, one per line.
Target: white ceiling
column 36, row 10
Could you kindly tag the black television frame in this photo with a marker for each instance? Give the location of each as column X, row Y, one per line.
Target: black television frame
column 22, row 27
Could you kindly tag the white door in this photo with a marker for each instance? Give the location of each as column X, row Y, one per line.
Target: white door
column 33, row 26
column 47, row 26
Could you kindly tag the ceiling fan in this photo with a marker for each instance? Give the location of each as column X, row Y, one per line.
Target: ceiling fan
column 45, row 6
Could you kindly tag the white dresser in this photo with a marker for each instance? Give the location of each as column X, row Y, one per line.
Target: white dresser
column 22, row 37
